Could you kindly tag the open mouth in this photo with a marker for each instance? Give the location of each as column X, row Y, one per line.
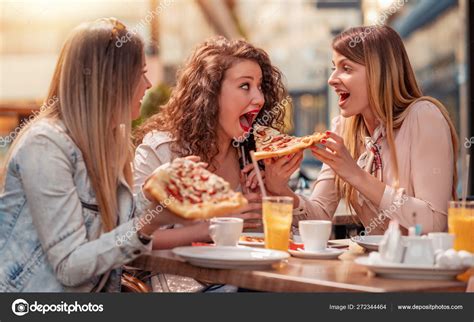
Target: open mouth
column 343, row 97
column 247, row 119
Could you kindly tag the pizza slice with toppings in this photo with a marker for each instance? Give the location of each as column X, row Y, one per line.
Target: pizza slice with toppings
column 191, row 191
column 271, row 143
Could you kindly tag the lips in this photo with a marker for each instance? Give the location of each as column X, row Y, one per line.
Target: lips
column 246, row 120
column 343, row 97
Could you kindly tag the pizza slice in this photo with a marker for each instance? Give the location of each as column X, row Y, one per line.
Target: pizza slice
column 271, row 143
column 191, row 191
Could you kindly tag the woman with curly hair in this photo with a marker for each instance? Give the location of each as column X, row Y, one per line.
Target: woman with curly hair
column 223, row 88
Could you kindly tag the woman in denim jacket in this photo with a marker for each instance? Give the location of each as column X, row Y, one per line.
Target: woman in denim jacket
column 68, row 218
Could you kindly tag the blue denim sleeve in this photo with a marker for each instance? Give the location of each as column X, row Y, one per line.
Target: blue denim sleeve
column 47, row 178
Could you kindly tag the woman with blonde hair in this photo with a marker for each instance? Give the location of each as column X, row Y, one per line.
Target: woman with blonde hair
column 69, row 220
column 391, row 154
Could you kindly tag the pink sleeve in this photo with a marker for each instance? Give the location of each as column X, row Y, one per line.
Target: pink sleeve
column 431, row 155
column 324, row 199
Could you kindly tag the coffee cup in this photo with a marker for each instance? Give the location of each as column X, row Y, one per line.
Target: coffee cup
column 225, row 231
column 315, row 234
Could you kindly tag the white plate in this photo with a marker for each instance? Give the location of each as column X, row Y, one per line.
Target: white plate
column 328, row 253
column 403, row 271
column 296, row 239
column 230, row 257
column 368, row 242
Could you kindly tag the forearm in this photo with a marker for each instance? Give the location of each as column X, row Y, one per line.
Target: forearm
column 169, row 238
column 368, row 185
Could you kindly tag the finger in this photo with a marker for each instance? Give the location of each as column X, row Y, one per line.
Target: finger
column 322, row 154
column 331, row 145
column 294, row 167
column 253, row 197
column 250, row 178
column 194, row 158
column 247, row 168
column 203, row 164
column 252, row 207
column 334, row 136
column 323, row 159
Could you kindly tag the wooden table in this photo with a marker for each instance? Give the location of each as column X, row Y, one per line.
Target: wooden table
column 297, row 275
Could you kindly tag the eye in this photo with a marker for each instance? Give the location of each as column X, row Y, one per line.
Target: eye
column 260, row 88
column 347, row 68
column 333, row 68
column 245, row 86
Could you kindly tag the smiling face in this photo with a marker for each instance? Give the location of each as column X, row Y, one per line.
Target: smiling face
column 240, row 98
column 143, row 85
column 350, row 83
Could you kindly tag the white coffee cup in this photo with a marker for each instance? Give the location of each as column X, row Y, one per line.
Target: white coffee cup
column 418, row 251
column 225, row 231
column 315, row 234
column 441, row 241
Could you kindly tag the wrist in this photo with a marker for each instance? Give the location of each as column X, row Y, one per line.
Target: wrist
column 358, row 178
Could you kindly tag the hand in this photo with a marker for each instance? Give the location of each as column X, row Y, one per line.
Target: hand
column 279, row 171
column 336, row 155
column 248, row 178
column 252, row 211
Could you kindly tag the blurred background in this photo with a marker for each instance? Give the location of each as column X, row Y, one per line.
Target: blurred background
column 296, row 33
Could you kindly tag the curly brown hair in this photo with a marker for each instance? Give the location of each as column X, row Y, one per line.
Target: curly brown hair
column 191, row 114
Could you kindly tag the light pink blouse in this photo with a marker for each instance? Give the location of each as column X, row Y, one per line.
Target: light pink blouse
column 425, row 160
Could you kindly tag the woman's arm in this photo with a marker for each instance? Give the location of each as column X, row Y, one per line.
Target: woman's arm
column 183, row 236
column 431, row 168
column 431, row 155
column 47, row 177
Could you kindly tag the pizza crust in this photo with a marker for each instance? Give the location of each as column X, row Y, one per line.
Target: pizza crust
column 306, row 142
column 204, row 210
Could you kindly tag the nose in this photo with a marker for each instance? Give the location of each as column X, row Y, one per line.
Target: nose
column 258, row 99
column 333, row 79
column 148, row 83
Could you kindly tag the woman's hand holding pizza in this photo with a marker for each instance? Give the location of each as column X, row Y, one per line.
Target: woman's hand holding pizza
column 279, row 170
column 335, row 154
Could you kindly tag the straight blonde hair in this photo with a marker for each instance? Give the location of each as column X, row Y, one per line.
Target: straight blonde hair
column 93, row 84
column 392, row 89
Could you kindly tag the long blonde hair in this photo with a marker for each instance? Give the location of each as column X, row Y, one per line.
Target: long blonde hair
column 392, row 88
column 93, row 85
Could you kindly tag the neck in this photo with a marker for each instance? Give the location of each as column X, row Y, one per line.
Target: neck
column 370, row 121
column 224, row 144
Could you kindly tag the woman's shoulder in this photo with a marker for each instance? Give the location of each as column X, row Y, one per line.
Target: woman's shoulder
column 426, row 111
column 156, row 143
column 51, row 130
column 155, row 138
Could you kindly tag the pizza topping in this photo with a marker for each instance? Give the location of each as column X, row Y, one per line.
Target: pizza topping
column 271, row 143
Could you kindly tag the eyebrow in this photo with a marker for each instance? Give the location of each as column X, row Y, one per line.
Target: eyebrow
column 249, row 77
column 341, row 61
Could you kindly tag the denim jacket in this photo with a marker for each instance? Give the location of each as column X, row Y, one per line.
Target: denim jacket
column 50, row 227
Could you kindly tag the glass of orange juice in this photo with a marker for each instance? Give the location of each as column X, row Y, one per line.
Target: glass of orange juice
column 461, row 224
column 277, row 213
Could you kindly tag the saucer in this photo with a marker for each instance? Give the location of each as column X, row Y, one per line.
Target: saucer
column 328, row 253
